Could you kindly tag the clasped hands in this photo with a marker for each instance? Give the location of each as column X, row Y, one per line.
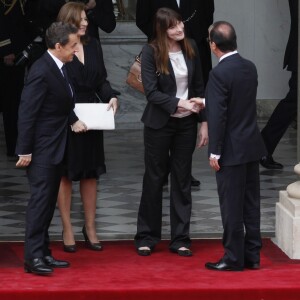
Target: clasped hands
column 194, row 104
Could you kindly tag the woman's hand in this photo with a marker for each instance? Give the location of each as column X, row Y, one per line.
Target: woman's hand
column 113, row 103
column 202, row 135
column 79, row 126
column 189, row 105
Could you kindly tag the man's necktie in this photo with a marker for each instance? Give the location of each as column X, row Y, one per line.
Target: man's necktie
column 65, row 73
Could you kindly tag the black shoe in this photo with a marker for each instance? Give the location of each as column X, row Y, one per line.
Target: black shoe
column 143, row 252
column 185, row 252
column 194, row 181
column 89, row 244
column 252, row 266
column 50, row 261
column 221, row 266
column 68, row 248
column 269, row 163
column 37, row 266
column 115, row 92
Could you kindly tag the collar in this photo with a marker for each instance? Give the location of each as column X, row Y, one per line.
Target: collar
column 227, row 54
column 58, row 62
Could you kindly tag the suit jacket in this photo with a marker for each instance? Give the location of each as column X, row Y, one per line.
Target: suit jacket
column 46, row 103
column 196, row 28
column 291, row 52
column 231, row 112
column 161, row 89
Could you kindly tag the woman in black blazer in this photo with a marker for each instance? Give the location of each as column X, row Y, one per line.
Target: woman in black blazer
column 172, row 78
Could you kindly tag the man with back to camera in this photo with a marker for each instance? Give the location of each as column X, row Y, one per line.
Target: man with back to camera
column 45, row 107
column 235, row 147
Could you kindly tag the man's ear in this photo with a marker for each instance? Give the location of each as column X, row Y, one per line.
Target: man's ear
column 213, row 46
column 58, row 46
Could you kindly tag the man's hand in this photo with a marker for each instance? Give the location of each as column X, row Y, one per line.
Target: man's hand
column 198, row 101
column 24, row 161
column 214, row 163
column 79, row 126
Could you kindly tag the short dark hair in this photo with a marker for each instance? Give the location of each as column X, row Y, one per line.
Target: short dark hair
column 59, row 32
column 223, row 35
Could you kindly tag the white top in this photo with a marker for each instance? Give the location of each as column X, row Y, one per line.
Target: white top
column 181, row 76
column 178, row 2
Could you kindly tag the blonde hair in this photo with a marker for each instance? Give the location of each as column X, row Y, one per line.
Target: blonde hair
column 71, row 13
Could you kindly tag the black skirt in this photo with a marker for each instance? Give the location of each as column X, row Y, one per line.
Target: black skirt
column 84, row 155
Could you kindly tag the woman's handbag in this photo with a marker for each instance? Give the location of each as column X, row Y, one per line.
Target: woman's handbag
column 134, row 77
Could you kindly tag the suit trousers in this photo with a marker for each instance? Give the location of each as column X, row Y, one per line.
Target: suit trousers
column 44, row 181
column 239, row 196
column 282, row 116
column 177, row 138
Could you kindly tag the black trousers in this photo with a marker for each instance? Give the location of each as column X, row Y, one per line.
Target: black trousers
column 44, row 183
column 12, row 82
column 178, row 138
column 239, row 196
column 282, row 116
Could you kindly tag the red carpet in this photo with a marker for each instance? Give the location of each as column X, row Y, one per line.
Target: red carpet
column 119, row 273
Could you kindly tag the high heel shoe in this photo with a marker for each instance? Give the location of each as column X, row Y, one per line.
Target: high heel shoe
column 182, row 252
column 68, row 248
column 89, row 244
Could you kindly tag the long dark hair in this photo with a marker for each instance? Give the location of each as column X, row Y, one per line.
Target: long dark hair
column 163, row 20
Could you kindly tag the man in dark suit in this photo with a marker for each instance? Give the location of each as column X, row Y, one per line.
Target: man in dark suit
column 235, row 147
column 45, row 106
column 286, row 110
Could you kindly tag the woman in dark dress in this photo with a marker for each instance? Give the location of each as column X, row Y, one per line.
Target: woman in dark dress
column 85, row 153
